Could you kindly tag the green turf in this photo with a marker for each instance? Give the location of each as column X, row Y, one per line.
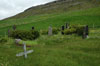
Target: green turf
column 56, row 50
column 87, row 17
column 30, row 43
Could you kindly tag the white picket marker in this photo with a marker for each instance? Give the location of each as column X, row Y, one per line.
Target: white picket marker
column 25, row 52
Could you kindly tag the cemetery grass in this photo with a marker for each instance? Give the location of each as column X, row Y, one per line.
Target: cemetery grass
column 56, row 50
column 84, row 17
column 29, row 43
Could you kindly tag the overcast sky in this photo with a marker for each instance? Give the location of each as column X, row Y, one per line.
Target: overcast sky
column 11, row 7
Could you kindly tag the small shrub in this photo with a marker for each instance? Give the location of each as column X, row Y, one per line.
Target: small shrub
column 79, row 29
column 74, row 26
column 44, row 32
column 25, row 35
column 69, row 31
column 35, row 34
column 55, row 30
column 3, row 40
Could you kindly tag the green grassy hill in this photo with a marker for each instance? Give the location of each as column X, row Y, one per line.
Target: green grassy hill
column 88, row 17
column 56, row 50
column 59, row 6
column 55, row 14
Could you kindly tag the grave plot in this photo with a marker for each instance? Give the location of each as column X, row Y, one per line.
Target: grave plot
column 80, row 30
column 25, row 51
column 29, row 43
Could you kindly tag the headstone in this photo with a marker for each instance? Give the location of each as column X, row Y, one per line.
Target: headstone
column 25, row 52
column 50, row 31
column 14, row 27
column 17, row 41
column 62, row 29
column 8, row 32
column 67, row 26
column 32, row 28
column 85, row 32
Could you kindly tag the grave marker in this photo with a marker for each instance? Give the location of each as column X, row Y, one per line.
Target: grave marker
column 50, row 31
column 84, row 35
column 85, row 32
column 67, row 26
column 8, row 32
column 62, row 28
column 17, row 41
column 32, row 28
column 14, row 27
column 25, row 52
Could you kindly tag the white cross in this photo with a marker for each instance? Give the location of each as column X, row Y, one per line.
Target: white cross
column 25, row 52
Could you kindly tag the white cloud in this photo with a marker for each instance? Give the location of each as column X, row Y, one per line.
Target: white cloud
column 12, row 7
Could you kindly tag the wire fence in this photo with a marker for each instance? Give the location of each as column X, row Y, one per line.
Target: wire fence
column 94, row 26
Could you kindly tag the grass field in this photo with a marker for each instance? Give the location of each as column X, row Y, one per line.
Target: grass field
column 88, row 17
column 56, row 50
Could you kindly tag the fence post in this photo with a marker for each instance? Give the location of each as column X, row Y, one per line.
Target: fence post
column 62, row 30
column 93, row 26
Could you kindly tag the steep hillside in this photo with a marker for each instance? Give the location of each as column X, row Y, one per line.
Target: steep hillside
column 55, row 50
column 59, row 6
column 90, row 16
column 56, row 14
